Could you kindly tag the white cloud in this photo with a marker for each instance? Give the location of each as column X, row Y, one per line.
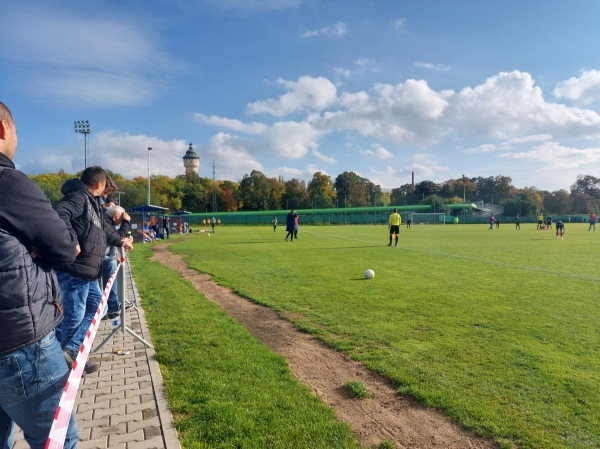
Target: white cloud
column 399, row 24
column 305, row 94
column 125, row 154
column 367, row 65
column 289, row 173
column 341, row 72
column 506, row 114
column 83, row 59
column 431, row 66
column 329, row 159
column 583, row 90
column 377, row 152
column 406, row 112
column 234, row 156
column 292, row 139
column 232, row 124
column 337, row 30
column 508, row 144
column 554, row 156
column 510, row 104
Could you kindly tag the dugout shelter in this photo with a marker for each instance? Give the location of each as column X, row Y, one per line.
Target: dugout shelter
column 146, row 214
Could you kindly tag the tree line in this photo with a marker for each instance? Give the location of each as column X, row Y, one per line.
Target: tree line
column 256, row 191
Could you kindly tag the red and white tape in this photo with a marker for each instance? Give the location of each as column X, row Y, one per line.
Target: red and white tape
column 58, row 432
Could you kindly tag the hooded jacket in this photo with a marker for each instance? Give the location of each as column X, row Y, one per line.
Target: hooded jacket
column 30, row 304
column 82, row 215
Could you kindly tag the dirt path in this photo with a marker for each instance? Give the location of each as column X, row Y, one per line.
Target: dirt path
column 383, row 415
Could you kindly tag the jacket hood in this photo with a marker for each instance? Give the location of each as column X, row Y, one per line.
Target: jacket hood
column 72, row 185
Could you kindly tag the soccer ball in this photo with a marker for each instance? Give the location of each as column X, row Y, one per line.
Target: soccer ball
column 369, row 274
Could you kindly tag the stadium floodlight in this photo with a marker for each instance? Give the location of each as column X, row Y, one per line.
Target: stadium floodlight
column 83, row 127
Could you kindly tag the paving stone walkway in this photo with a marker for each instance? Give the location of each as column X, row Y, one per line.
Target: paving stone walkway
column 122, row 405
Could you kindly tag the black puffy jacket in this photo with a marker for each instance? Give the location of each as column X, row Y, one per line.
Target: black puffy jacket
column 80, row 211
column 30, row 304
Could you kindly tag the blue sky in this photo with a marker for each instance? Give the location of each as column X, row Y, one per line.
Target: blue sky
column 290, row 87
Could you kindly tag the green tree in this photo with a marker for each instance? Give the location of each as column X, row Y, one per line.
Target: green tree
column 426, row 188
column 405, row 194
column 493, row 189
column 227, row 195
column 193, row 196
column 583, row 203
column 295, row 195
column 463, row 188
column 321, row 191
column 557, row 202
column 277, row 188
column 590, row 185
column 255, row 191
column 525, row 202
column 356, row 190
column 51, row 184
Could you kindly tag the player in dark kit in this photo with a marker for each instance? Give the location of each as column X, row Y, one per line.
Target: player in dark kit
column 560, row 229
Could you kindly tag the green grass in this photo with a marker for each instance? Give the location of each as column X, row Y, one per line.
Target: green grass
column 356, row 389
column 497, row 329
column 225, row 389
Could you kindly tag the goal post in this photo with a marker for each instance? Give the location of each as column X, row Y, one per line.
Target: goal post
column 428, row 218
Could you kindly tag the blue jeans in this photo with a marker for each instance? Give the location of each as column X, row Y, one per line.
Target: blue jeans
column 81, row 298
column 31, row 384
column 109, row 265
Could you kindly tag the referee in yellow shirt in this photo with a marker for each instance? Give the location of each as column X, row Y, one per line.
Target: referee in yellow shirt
column 394, row 226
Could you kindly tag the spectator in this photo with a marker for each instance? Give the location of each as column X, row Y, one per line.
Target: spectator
column 120, row 220
column 78, row 281
column 166, row 224
column 290, row 224
column 296, row 223
column 32, row 240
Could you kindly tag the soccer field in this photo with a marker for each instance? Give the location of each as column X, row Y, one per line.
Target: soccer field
column 498, row 329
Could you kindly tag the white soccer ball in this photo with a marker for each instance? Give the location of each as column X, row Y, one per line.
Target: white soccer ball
column 369, row 274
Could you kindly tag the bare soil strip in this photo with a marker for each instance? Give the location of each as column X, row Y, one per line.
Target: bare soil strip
column 383, row 415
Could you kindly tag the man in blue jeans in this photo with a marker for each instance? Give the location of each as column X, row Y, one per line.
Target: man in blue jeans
column 33, row 238
column 78, row 281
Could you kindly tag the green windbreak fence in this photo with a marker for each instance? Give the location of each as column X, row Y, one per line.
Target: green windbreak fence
column 350, row 215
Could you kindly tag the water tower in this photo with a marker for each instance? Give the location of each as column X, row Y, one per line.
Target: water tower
column 191, row 161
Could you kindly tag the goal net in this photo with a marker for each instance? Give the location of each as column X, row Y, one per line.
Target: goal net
column 428, row 218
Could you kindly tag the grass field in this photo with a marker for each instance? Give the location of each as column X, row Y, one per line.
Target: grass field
column 500, row 330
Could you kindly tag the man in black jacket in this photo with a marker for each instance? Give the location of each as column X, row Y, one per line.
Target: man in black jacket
column 78, row 281
column 32, row 240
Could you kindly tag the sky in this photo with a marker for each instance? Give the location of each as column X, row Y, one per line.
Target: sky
column 381, row 88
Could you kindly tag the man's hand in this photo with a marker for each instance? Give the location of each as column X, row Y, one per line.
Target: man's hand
column 127, row 243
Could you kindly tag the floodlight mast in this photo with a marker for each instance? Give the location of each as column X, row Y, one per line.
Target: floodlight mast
column 83, row 127
column 149, row 149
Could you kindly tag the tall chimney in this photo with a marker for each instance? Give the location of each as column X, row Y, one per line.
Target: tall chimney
column 413, row 179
